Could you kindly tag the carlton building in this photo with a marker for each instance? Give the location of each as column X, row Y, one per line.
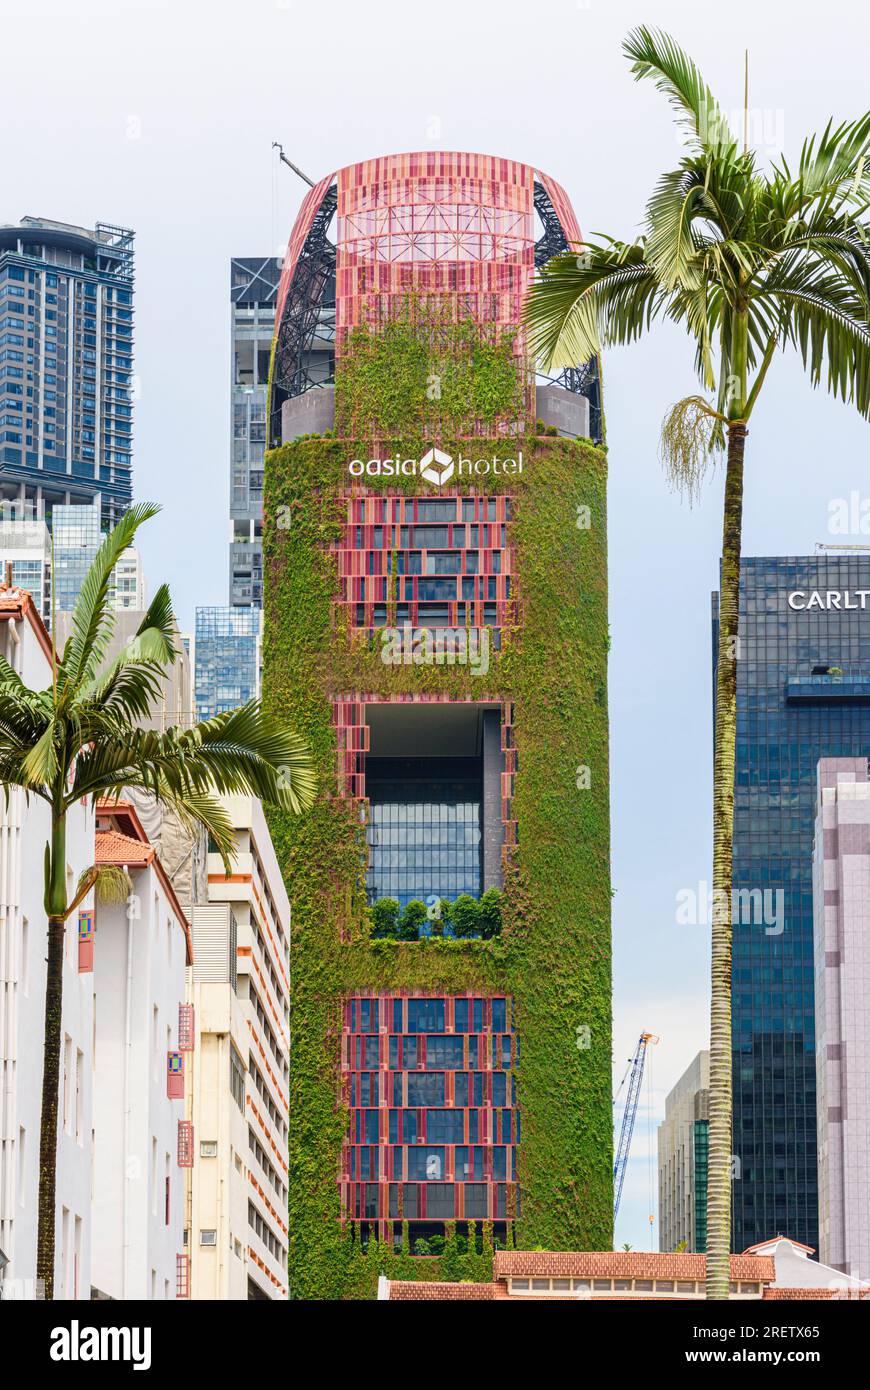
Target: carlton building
column 435, row 582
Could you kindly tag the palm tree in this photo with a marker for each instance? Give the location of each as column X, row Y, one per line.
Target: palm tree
column 750, row 262
column 82, row 737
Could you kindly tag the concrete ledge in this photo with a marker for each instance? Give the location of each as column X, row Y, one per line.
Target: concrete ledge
column 312, row 413
column 567, row 411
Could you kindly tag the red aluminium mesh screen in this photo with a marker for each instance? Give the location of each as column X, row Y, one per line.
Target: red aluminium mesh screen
column 434, row 223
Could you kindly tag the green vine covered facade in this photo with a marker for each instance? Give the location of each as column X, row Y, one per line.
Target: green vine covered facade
column 552, row 959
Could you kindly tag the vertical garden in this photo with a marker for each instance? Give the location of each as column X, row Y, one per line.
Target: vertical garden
column 552, row 956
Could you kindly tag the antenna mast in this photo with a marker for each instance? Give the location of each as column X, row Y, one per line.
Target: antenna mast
column 290, row 165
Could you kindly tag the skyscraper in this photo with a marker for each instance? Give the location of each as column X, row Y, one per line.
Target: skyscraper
column 253, row 286
column 76, row 538
column 226, row 658
column 253, row 290
column 683, row 1142
column 66, row 363
column 841, row 900
column 436, row 626
column 801, row 696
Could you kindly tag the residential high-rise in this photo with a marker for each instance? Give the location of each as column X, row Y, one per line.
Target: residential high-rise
column 25, row 544
column 253, row 286
column 237, row 1084
column 36, row 556
column 683, row 1140
column 801, row 696
column 436, row 626
column 128, row 583
column 226, row 658
column 253, row 291
column 841, row 901
column 66, row 364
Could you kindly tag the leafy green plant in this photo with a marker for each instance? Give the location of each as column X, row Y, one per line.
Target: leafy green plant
column 413, row 917
column 466, row 916
column 385, row 917
column 490, row 913
column 425, row 371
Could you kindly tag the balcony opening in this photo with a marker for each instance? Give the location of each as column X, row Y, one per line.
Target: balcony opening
column 433, row 776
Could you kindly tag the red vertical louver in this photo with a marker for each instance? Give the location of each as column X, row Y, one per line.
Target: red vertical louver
column 186, row 1028
column 185, row 1144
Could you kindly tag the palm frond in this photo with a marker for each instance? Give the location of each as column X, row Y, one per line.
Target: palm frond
column 835, row 158
column 606, row 294
column 40, row 763
column 671, row 248
column 656, row 55
column 831, row 342
column 92, row 620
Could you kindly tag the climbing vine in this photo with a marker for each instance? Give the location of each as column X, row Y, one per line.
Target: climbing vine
column 553, row 955
column 424, row 371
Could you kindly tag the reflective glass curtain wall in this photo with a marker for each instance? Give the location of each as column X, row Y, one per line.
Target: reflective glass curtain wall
column 803, row 692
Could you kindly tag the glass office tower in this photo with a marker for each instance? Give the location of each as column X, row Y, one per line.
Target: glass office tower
column 227, row 659
column 66, row 363
column 803, row 693
column 253, row 286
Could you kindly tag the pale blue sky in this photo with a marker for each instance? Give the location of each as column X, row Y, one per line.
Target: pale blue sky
column 160, row 117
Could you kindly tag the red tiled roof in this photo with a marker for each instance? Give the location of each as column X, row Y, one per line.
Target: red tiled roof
column 844, row 1293
column 124, row 815
column 114, row 848
column 410, row 1291
column 18, row 603
column 751, row 1249
column 623, row 1264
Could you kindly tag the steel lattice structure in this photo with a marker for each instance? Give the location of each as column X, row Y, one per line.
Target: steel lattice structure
column 437, row 223
column 583, row 380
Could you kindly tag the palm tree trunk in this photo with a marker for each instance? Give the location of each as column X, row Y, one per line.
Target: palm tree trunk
column 55, row 899
column 720, row 1153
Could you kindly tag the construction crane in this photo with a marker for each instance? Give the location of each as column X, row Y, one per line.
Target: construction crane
column 634, row 1073
column 290, row 165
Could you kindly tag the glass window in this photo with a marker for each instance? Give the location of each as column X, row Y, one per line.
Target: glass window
column 440, row 1200
column 426, row 1162
column 425, row 1088
column 425, row 1015
column 445, row 1126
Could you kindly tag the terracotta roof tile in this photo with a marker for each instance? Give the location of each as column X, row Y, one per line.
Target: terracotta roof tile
column 409, row 1291
column 751, row 1249
column 843, row 1293
column 114, row 848
column 623, row 1264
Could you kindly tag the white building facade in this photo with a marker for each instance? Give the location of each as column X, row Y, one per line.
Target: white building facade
column 141, row 955
column 24, row 832
column 841, row 915
column 239, row 1083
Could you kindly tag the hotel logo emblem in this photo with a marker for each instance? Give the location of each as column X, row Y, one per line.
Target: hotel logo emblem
column 437, row 467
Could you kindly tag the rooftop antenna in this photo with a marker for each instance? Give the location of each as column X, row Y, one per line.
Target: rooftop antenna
column 290, row 165
column 746, row 102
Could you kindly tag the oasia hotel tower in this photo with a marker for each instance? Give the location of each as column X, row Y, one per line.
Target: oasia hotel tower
column 435, row 579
